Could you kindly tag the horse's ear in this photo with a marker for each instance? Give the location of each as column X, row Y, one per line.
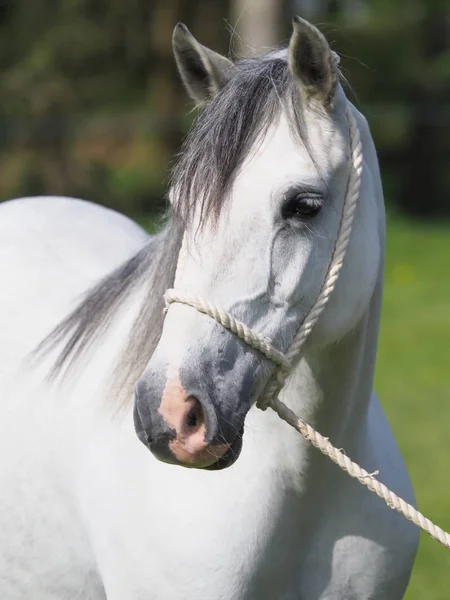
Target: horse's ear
column 312, row 63
column 203, row 71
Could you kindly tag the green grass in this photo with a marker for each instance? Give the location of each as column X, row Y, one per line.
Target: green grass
column 413, row 380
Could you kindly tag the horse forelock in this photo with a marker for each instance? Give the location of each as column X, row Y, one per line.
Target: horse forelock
column 227, row 129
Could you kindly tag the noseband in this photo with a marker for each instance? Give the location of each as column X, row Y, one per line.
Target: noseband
column 284, row 362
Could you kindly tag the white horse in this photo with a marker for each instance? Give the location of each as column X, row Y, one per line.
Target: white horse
column 86, row 510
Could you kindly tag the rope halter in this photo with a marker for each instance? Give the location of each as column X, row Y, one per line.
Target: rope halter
column 284, row 362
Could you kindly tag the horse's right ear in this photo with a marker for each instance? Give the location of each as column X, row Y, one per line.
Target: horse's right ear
column 312, row 62
column 203, row 71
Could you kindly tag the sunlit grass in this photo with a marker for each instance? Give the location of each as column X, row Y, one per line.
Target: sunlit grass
column 413, row 380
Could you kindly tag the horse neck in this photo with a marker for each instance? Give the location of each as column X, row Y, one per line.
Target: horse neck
column 332, row 385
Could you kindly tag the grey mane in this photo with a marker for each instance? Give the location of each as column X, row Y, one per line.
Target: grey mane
column 211, row 155
column 151, row 270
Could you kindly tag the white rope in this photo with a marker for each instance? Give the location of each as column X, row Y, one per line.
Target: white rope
column 343, row 237
column 254, row 340
column 368, row 480
column 284, row 362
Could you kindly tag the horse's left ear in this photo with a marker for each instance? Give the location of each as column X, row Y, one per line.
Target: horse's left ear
column 312, row 62
column 203, row 71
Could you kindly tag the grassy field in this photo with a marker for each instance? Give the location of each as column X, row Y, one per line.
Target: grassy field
column 413, row 380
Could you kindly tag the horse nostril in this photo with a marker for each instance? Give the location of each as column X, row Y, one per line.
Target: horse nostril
column 195, row 417
column 191, row 420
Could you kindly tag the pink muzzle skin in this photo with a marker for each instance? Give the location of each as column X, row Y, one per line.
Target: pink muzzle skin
column 184, row 414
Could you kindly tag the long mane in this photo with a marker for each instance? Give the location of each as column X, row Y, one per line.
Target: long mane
column 150, row 271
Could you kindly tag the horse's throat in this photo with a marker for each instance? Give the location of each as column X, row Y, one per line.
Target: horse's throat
column 332, row 386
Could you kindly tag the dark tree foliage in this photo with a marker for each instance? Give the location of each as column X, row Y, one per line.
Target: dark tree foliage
column 90, row 103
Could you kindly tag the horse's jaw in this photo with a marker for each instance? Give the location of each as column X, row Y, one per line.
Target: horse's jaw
column 332, row 385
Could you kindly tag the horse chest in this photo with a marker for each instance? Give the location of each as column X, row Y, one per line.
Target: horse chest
column 164, row 533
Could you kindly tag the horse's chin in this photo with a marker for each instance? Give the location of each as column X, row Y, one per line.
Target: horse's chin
column 230, row 456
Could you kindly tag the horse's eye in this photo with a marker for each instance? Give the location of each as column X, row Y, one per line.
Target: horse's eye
column 302, row 206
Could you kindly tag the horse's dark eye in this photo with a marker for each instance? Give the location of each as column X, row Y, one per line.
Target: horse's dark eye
column 302, row 207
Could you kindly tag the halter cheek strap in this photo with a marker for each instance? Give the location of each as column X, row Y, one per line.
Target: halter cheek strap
column 284, row 361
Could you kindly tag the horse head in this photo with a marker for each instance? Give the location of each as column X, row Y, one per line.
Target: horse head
column 258, row 190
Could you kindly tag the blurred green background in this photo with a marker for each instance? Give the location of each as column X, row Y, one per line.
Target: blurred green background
column 90, row 106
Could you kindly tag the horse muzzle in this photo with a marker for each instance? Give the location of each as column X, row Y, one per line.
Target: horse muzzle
column 184, row 425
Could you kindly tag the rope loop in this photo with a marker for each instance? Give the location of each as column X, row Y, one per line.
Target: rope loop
column 257, row 341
